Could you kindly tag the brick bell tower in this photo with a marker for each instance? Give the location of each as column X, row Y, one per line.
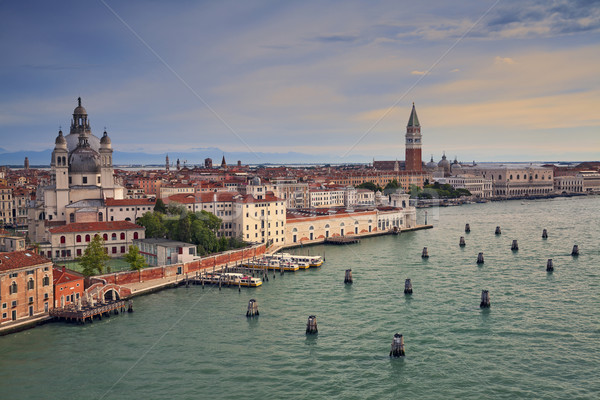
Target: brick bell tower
column 413, row 143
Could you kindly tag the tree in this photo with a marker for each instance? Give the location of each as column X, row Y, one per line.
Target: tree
column 135, row 259
column 369, row 185
column 392, row 185
column 160, row 206
column 94, row 257
column 153, row 222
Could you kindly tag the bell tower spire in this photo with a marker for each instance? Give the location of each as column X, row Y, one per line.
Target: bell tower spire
column 413, row 142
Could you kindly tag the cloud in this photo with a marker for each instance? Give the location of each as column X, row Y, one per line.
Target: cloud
column 336, row 37
column 504, row 60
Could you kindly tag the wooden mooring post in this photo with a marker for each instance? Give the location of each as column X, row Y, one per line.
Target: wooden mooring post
column 549, row 266
column 575, row 251
column 498, row 231
column 425, row 253
column 252, row 309
column 514, row 246
column 544, row 234
column 480, row 258
column 311, row 325
column 461, row 241
column 485, row 299
column 467, row 228
column 408, row 287
column 397, row 346
column 348, row 276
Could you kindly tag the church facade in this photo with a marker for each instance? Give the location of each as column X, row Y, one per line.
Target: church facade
column 82, row 178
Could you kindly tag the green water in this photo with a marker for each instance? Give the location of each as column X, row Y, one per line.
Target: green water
column 539, row 340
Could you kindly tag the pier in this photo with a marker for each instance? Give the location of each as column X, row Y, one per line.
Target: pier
column 89, row 312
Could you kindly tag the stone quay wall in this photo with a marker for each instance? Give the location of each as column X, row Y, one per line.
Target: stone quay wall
column 208, row 262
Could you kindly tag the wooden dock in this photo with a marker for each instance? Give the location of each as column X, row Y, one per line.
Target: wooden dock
column 72, row 314
column 339, row 240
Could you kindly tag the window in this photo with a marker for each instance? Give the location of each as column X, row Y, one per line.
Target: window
column 14, row 303
column 135, row 235
column 114, row 250
column 30, row 284
column 45, row 295
column 122, row 235
column 31, row 299
column 87, row 238
column 63, row 239
column 113, row 236
column 105, row 236
column 84, row 180
column 13, row 288
column 3, row 305
column 78, row 238
column 122, row 249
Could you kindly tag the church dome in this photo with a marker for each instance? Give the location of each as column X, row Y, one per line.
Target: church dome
column 84, row 159
column 79, row 110
column 60, row 140
column 444, row 163
column 105, row 140
column 431, row 164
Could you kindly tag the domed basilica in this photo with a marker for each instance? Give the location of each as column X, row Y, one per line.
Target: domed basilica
column 82, row 178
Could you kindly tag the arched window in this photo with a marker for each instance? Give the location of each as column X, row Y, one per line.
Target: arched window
column 312, row 228
column 46, row 281
column 87, row 238
column 78, row 238
column 511, row 177
column 135, row 235
column 122, row 235
column 295, row 230
column 13, row 288
column 63, row 239
column 105, row 236
column 113, row 236
column 499, row 177
column 327, row 226
column 30, row 284
column 342, row 224
column 355, row 222
column 518, row 176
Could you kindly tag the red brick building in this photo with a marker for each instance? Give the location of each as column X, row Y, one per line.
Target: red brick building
column 25, row 285
column 68, row 287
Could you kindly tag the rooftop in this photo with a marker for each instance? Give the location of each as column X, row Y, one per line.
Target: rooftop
column 96, row 227
column 20, row 259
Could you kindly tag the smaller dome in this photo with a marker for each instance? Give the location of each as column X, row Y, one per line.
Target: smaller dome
column 431, row 164
column 105, row 139
column 444, row 163
column 79, row 110
column 60, row 139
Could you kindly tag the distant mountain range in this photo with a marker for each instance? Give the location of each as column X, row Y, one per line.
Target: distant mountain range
column 192, row 157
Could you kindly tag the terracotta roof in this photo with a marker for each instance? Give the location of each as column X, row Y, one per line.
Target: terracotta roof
column 63, row 275
column 201, row 197
column 129, row 202
column 96, row 227
column 20, row 259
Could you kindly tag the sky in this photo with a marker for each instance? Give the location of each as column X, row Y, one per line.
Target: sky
column 492, row 80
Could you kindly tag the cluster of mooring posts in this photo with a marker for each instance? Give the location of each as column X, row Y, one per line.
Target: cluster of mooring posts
column 311, row 325
column 407, row 287
column 348, row 276
column 252, row 309
column 397, row 346
column 84, row 313
column 485, row 299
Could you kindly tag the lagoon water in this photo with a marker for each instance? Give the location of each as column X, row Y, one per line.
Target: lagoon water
column 540, row 338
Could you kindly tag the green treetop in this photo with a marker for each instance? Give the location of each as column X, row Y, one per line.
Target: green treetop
column 94, row 258
column 135, row 259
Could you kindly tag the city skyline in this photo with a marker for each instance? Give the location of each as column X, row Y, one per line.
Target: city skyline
column 494, row 80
